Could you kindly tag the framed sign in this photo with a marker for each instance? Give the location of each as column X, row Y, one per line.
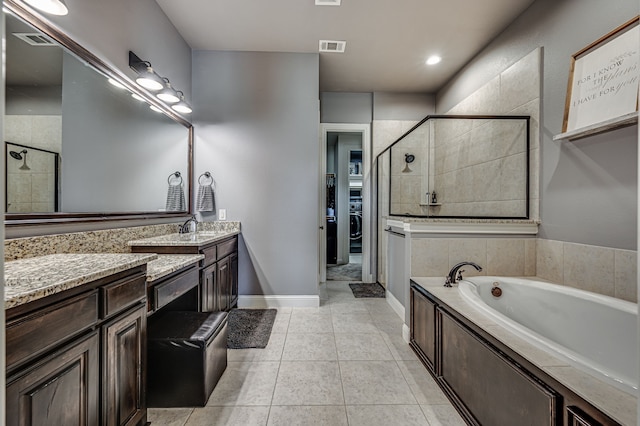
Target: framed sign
column 603, row 79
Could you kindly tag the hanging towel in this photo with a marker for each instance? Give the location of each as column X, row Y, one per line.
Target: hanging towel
column 206, row 199
column 175, row 198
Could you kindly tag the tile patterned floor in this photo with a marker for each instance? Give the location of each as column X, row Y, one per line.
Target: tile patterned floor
column 344, row 363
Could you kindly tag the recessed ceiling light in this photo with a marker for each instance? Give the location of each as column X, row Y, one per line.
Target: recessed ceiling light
column 328, row 2
column 433, row 60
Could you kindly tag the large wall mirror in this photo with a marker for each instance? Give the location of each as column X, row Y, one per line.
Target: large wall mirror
column 78, row 147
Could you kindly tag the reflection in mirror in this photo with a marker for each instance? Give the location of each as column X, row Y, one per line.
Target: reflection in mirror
column 107, row 152
column 448, row 167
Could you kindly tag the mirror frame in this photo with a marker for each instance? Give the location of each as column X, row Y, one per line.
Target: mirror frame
column 58, row 35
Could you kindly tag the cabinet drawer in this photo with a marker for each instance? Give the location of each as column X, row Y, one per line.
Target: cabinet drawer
column 210, row 255
column 227, row 247
column 171, row 289
column 31, row 335
column 122, row 294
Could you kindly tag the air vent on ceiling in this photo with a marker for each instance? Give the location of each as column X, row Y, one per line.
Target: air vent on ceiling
column 35, row 39
column 332, row 46
column 328, row 2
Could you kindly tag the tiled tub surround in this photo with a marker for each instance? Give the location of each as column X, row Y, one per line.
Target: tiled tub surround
column 603, row 270
column 31, row 279
column 104, row 241
column 615, row 403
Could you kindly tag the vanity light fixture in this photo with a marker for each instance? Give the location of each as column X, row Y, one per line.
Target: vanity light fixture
column 182, row 106
column 435, row 59
column 168, row 94
column 52, row 7
column 147, row 77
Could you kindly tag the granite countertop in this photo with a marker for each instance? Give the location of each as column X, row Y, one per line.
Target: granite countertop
column 31, row 279
column 165, row 264
column 196, row 239
column 620, row 406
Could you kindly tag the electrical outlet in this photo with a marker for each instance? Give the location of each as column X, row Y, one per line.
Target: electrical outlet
column 222, row 214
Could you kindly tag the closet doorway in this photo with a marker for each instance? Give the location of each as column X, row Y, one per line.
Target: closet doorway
column 345, row 207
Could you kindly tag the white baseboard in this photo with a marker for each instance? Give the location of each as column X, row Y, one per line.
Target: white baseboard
column 406, row 333
column 395, row 304
column 302, row 301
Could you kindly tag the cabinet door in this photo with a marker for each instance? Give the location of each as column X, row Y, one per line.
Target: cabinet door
column 124, row 368
column 493, row 389
column 423, row 326
column 233, row 298
column 224, row 283
column 62, row 389
column 208, row 299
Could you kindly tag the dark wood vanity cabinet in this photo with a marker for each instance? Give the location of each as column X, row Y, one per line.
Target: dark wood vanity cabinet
column 218, row 271
column 79, row 357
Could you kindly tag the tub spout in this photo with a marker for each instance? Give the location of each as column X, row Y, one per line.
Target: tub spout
column 455, row 274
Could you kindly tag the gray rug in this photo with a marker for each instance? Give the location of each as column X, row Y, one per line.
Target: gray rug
column 348, row 272
column 250, row 328
column 367, row 290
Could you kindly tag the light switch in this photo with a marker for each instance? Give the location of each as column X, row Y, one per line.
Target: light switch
column 222, row 214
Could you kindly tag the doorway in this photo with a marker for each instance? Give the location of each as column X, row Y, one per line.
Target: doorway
column 345, row 216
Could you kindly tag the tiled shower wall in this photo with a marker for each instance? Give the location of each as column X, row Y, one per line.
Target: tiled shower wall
column 602, row 270
column 515, row 91
column 32, row 190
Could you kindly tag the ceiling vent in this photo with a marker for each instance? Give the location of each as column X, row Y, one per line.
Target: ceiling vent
column 35, row 39
column 328, row 2
column 333, row 46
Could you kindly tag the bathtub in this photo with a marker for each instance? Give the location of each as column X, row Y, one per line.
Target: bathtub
column 594, row 333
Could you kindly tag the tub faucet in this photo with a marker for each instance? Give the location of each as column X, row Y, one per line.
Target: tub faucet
column 185, row 228
column 451, row 276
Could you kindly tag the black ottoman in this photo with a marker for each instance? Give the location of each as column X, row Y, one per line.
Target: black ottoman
column 187, row 354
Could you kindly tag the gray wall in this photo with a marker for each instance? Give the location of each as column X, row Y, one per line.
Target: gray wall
column 27, row 100
column 116, row 152
column 256, row 129
column 111, row 28
column 588, row 187
column 402, row 106
column 343, row 107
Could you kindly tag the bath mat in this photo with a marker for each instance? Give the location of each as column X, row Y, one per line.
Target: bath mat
column 250, row 328
column 367, row 290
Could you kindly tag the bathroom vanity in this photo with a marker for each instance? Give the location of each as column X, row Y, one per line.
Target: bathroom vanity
column 494, row 378
column 218, row 268
column 75, row 339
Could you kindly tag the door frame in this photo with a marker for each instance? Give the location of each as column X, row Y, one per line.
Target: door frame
column 368, row 263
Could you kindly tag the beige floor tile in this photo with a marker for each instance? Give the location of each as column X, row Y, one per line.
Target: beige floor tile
column 379, row 307
column 281, row 323
column 384, row 415
column 310, row 323
column 374, row 382
column 333, row 415
column 245, row 383
column 361, row 347
column 354, row 323
column 229, row 416
column 346, row 306
column 308, row 383
column 424, row 388
column 168, row 416
column 398, row 347
column 273, row 351
column 442, row 415
column 310, row 347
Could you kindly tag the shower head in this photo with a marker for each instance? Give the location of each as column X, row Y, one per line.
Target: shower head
column 17, row 155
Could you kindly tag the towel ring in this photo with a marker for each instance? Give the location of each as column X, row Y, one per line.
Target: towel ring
column 205, row 175
column 176, row 175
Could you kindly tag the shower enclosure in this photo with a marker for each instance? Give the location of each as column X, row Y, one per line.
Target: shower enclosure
column 31, row 179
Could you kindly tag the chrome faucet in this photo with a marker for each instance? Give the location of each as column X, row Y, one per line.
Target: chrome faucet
column 451, row 276
column 185, row 228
